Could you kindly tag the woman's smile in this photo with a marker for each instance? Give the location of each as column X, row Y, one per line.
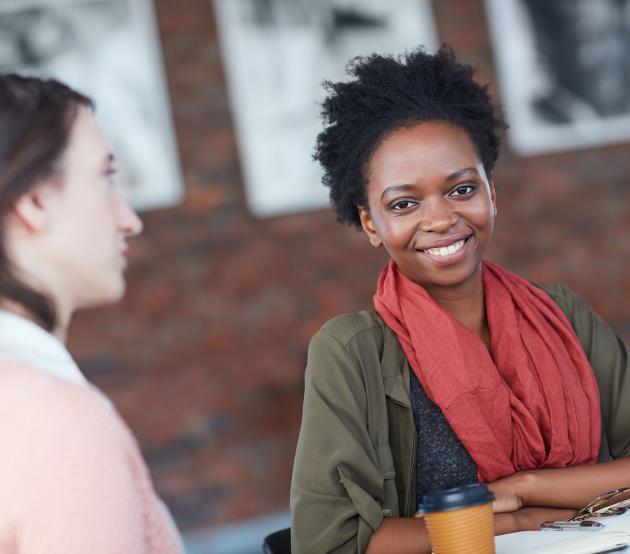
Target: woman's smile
column 450, row 254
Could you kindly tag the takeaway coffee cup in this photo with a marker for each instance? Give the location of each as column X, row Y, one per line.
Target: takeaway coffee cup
column 459, row 520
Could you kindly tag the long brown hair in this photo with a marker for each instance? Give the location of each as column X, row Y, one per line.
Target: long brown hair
column 36, row 116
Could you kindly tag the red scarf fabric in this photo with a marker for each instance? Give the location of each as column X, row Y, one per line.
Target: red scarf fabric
column 531, row 402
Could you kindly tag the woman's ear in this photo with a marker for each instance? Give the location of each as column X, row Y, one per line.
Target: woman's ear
column 368, row 227
column 493, row 195
column 32, row 208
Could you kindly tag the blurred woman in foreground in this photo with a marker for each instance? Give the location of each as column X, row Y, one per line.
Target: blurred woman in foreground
column 71, row 474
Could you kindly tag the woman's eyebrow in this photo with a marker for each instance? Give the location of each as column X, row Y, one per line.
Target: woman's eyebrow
column 396, row 188
column 455, row 175
column 461, row 172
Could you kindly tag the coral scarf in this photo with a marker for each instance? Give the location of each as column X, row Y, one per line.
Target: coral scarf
column 532, row 402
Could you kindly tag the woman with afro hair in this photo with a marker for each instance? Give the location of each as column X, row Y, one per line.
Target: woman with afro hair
column 462, row 372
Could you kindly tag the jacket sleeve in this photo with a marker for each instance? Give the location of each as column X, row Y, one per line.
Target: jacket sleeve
column 609, row 358
column 337, row 487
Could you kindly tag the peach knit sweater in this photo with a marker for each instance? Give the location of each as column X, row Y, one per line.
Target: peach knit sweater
column 72, row 479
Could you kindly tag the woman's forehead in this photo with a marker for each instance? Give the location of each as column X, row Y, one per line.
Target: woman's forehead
column 425, row 148
column 86, row 141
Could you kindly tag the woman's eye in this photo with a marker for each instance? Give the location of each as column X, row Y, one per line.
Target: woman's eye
column 463, row 190
column 110, row 175
column 403, row 205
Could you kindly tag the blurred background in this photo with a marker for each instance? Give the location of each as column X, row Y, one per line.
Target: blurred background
column 241, row 260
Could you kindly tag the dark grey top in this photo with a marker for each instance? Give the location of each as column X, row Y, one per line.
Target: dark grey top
column 442, row 461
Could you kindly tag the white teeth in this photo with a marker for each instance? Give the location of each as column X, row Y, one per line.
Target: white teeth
column 446, row 250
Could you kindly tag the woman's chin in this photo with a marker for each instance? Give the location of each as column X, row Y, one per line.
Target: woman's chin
column 117, row 291
column 449, row 276
column 104, row 296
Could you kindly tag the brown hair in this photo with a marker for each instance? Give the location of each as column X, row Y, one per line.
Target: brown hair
column 36, row 116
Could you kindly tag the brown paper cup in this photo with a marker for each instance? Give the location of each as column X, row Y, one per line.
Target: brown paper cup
column 464, row 531
column 460, row 520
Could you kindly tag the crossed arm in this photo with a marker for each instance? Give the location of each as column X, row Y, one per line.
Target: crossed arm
column 523, row 501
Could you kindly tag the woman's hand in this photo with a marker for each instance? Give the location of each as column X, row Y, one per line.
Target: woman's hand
column 527, row 519
column 569, row 487
column 510, row 492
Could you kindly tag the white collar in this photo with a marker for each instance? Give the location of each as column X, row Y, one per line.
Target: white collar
column 21, row 340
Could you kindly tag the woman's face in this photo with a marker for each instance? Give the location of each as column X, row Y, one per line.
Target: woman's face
column 88, row 220
column 430, row 204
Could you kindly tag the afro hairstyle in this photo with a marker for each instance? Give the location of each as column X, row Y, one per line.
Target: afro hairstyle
column 384, row 94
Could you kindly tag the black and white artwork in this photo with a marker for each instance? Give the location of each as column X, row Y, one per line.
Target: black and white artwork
column 276, row 54
column 109, row 50
column 564, row 68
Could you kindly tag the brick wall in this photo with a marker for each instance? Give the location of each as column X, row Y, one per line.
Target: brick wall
column 205, row 356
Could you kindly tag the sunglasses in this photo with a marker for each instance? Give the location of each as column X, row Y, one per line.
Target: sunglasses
column 610, row 503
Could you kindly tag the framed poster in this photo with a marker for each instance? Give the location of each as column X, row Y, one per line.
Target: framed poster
column 564, row 69
column 109, row 50
column 276, row 54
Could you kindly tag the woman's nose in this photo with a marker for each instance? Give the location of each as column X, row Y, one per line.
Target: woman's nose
column 129, row 222
column 437, row 216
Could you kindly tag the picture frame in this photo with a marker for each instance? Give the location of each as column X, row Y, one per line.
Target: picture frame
column 110, row 51
column 564, row 72
column 276, row 55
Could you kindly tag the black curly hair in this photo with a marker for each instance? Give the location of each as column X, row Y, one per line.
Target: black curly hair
column 385, row 94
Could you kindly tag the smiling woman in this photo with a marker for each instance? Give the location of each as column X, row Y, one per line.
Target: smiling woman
column 72, row 477
column 463, row 371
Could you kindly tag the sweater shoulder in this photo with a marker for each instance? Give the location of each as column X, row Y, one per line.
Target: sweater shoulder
column 34, row 403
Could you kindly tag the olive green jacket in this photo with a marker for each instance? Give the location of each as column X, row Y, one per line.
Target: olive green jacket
column 355, row 459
